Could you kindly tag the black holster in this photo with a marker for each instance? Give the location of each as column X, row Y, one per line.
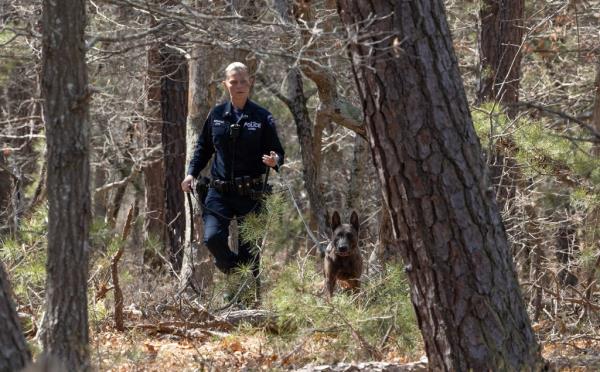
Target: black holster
column 202, row 185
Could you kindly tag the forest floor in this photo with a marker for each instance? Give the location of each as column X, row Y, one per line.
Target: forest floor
column 114, row 351
column 188, row 337
column 249, row 349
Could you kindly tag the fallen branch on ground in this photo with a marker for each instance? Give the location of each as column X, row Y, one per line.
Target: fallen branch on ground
column 420, row 366
column 115, row 272
column 220, row 323
column 588, row 362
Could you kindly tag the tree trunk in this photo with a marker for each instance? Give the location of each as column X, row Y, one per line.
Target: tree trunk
column 204, row 64
column 20, row 112
column 296, row 102
column 15, row 354
column 100, row 200
column 463, row 284
column 6, row 189
column 537, row 274
column 153, row 169
column 596, row 114
column 330, row 105
column 310, row 147
column 358, row 172
column 100, row 171
column 174, row 111
column 19, row 99
column 123, row 171
column 64, row 331
column 388, row 248
column 501, row 35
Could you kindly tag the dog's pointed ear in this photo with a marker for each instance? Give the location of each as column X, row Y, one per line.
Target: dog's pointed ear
column 327, row 219
column 335, row 220
column 354, row 220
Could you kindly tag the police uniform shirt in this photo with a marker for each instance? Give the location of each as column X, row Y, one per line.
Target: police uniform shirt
column 241, row 156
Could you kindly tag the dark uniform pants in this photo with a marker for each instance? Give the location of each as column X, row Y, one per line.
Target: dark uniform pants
column 219, row 210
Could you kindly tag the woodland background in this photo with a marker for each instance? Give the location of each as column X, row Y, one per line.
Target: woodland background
column 154, row 72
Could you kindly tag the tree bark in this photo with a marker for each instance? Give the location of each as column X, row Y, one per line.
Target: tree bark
column 358, row 172
column 330, row 103
column 64, row 331
column 309, row 148
column 100, row 200
column 596, row 114
column 501, row 34
column 308, row 136
column 118, row 194
column 153, row 169
column 6, row 189
column 14, row 354
column 500, row 39
column 174, row 111
column 19, row 99
column 537, row 274
column 463, row 284
column 204, row 64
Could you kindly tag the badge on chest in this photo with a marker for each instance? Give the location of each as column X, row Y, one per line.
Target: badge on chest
column 252, row 125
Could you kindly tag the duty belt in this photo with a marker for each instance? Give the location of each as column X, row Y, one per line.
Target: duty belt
column 244, row 186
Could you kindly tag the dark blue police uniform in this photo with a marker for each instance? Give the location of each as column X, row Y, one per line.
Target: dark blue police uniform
column 237, row 174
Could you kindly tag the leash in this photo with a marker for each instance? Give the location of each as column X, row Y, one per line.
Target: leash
column 308, row 230
column 266, row 180
column 191, row 206
column 189, row 200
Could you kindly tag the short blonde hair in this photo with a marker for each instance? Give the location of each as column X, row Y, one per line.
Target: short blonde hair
column 235, row 66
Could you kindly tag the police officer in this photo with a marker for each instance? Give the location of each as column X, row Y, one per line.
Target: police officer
column 242, row 137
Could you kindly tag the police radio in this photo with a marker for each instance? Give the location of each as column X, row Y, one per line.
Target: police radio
column 234, row 131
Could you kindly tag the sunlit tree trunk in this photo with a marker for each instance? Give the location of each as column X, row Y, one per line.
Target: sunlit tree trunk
column 153, row 169
column 203, row 65
column 297, row 104
column 174, row 111
column 64, row 331
column 463, row 284
column 310, row 145
column 329, row 110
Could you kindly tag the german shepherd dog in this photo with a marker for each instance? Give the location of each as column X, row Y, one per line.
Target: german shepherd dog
column 343, row 261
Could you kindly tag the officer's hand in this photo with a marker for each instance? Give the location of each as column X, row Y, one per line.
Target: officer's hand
column 271, row 160
column 186, row 184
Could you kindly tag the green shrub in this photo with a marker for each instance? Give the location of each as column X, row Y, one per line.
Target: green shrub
column 540, row 149
column 382, row 307
column 269, row 223
column 24, row 257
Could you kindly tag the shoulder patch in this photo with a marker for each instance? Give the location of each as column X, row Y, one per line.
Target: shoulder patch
column 271, row 120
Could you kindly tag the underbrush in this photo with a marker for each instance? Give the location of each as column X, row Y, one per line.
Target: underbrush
column 24, row 258
column 547, row 177
column 377, row 323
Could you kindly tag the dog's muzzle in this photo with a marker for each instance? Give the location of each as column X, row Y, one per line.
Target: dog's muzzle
column 343, row 251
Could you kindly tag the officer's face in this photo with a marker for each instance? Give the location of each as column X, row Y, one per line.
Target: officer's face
column 238, row 85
